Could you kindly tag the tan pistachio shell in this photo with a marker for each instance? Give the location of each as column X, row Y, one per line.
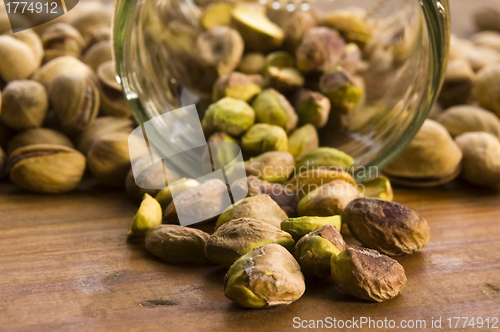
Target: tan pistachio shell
column 38, row 136
column 107, row 75
column 98, row 54
column 33, row 41
column 488, row 87
column 62, row 39
column 87, row 20
column 18, row 59
column 63, row 64
column 462, row 119
column 102, row 126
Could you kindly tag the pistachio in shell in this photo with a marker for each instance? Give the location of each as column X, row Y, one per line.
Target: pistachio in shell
column 488, row 87
column 320, row 49
column 367, row 274
column 252, row 63
column 284, row 79
column 295, row 27
column 148, row 216
column 341, row 88
column 18, row 59
column 458, row 83
column 238, row 86
column 33, row 41
column 303, row 140
column 240, row 236
column 261, row 207
column 272, row 166
column 24, row 104
column 106, row 72
column 164, row 196
column 263, row 137
column 315, row 251
column 62, row 39
column 309, row 180
column 301, row 226
column 59, row 65
column 325, row 157
column 387, row 227
column 481, row 158
column 38, row 136
column 462, row 119
column 98, row 54
column 99, row 34
column 328, row 200
column 286, row 199
column 271, row 107
column 266, row 276
column 351, row 25
column 431, row 158
column 217, row 14
column 258, row 32
column 101, row 126
column 488, row 18
column 177, row 244
column 380, row 187
column 85, row 21
column 232, row 116
column 113, row 100
column 46, row 168
column 312, row 107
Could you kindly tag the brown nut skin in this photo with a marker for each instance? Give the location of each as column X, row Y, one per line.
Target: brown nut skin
column 46, row 168
column 458, row 83
column 388, row 227
column 462, row 119
column 367, row 274
column 286, row 198
column 481, row 159
column 38, row 136
column 320, row 49
column 24, row 105
column 177, row 244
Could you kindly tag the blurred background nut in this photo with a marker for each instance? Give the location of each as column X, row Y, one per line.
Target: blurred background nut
column 85, row 21
column 343, row 90
column 488, row 87
column 38, row 136
column 320, row 49
column 279, row 59
column 102, row 126
column 252, row 63
column 325, row 157
column 46, row 168
column 113, row 101
column 3, row 163
column 458, row 84
column 217, row 14
column 106, row 73
column 353, row 25
column 61, row 39
column 238, row 86
column 481, row 161
column 18, row 59
column 271, row 107
column 312, row 107
column 489, row 39
column 33, row 41
column 272, row 166
column 24, row 104
column 299, row 227
column 75, row 99
column 285, row 79
column 98, row 54
column 100, row 33
column 462, row 119
column 62, row 64
column 303, row 140
column 295, row 27
column 488, row 18
column 352, row 58
column 263, row 137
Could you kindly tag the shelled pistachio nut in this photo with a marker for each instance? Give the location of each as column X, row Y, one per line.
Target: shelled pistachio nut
column 98, row 54
column 341, row 88
column 309, row 180
column 164, row 196
column 229, row 115
column 273, row 166
column 271, row 107
column 367, row 274
column 298, row 227
column 266, row 276
column 261, row 207
column 295, row 27
column 18, row 59
column 462, row 119
column 148, row 216
column 303, row 140
column 388, row 227
column 38, row 136
column 279, row 59
column 62, row 64
column 240, row 236
column 312, row 107
column 263, row 137
column 458, row 83
column 238, row 86
column 286, row 199
column 320, row 49
column 487, row 87
column 326, row 158
column 100, row 127
column 380, row 187
column 252, row 63
column 177, row 244
column 284, row 79
column 217, row 14
column 62, row 39
column 354, row 27
column 46, row 168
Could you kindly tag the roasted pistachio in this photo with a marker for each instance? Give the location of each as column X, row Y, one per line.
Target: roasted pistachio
column 284, row 79
column 308, row 180
column 217, row 14
column 102, row 126
column 325, row 158
column 148, row 216
column 18, row 59
column 303, row 140
column 379, row 187
column 298, row 227
column 38, row 136
column 273, row 108
column 238, row 86
column 46, row 168
column 351, row 25
column 296, row 26
column 341, row 88
column 368, row 275
column 62, row 64
column 458, row 83
column 488, row 87
column 263, row 137
column 177, row 244
column 164, row 196
column 312, row 107
column 229, row 115
column 62, row 39
column 272, row 166
column 24, row 104
column 75, row 99
column 266, row 276
column 98, row 54
column 432, row 158
column 462, row 119
column 481, row 158
column 286, row 198
column 261, row 207
column 279, row 59
column 320, row 49
column 388, row 227
column 240, row 236
column 317, row 249
column 252, row 63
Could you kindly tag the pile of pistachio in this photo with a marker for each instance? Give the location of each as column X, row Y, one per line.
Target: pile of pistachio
column 61, row 108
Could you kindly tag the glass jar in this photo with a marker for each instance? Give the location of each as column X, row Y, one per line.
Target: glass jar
column 404, row 63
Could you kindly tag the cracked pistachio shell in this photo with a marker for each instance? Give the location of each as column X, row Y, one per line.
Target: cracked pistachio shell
column 327, row 158
column 387, row 227
column 107, row 75
column 284, row 79
column 341, row 88
column 458, row 83
column 232, row 116
column 320, row 49
column 367, row 274
column 431, row 158
column 303, row 140
column 266, row 276
column 312, row 107
column 18, row 59
column 258, row 32
column 3, row 163
column 98, row 54
column 263, row 137
column 351, row 25
column 177, row 244
column 252, row 63
column 481, row 158
column 102, row 126
column 238, row 86
column 308, row 180
column 298, row 227
column 38, row 136
column 295, row 27
column 217, row 14
column 272, row 166
column 379, row 187
column 75, row 99
column 164, row 196
column 286, row 199
column 46, row 168
column 488, row 87
column 148, row 216
column 113, row 102
column 273, row 108
column 328, row 200
column 315, row 251
column 62, row 64
column 261, row 207
column 221, row 48
column 462, row 119
column 24, row 104
column 240, row 236
column 488, row 18
column 62, row 39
